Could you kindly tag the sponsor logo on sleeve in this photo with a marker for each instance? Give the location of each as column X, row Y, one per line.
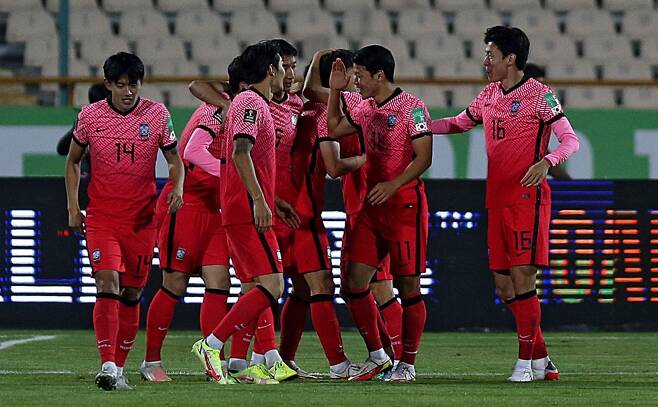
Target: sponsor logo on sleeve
column 552, row 102
column 420, row 121
column 250, row 116
column 144, row 130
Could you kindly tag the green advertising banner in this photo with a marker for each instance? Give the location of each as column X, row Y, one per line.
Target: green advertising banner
column 614, row 144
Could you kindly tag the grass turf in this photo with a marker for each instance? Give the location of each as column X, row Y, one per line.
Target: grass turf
column 454, row 369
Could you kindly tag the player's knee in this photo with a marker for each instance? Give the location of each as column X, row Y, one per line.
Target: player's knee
column 217, row 279
column 131, row 294
column 408, row 285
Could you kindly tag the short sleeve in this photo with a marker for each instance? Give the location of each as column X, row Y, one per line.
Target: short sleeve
column 474, row 110
column 418, row 120
column 167, row 139
column 81, row 129
column 353, row 108
column 549, row 109
column 247, row 120
column 211, row 120
column 322, row 127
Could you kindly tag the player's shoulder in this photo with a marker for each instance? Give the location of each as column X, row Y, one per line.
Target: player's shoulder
column 250, row 98
column 295, row 102
column 352, row 99
column 95, row 108
column 148, row 105
column 410, row 99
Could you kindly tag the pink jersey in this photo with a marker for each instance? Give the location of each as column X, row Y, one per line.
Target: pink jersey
column 389, row 129
column 200, row 188
column 517, row 126
column 353, row 184
column 286, row 114
column 123, row 149
column 248, row 117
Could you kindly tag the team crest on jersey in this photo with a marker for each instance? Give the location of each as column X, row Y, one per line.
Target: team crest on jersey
column 180, row 254
column 96, row 255
column 553, row 103
column 250, row 116
column 391, row 120
column 293, row 119
column 144, row 130
column 420, row 121
column 516, row 105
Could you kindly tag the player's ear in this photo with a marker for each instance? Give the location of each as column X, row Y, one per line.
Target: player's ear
column 271, row 70
column 511, row 59
column 108, row 84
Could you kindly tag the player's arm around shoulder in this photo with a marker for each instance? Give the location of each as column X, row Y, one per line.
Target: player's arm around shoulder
column 336, row 166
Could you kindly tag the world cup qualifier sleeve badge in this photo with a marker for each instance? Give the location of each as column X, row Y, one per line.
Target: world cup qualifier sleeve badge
column 420, row 120
column 553, row 103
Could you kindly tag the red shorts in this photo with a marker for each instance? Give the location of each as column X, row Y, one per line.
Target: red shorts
column 305, row 249
column 396, row 230
column 253, row 254
column 124, row 249
column 384, row 268
column 518, row 236
column 192, row 238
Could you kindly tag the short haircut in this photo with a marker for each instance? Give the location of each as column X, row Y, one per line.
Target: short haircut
column 534, row 71
column 283, row 47
column 124, row 63
column 510, row 40
column 256, row 59
column 97, row 92
column 327, row 60
column 234, row 76
column 376, row 58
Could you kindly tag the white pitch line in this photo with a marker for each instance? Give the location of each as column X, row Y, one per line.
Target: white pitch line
column 13, row 342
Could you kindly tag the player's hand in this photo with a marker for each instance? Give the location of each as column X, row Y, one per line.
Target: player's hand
column 175, row 201
column 262, row 216
column 536, row 174
column 287, row 213
column 338, row 79
column 77, row 221
column 296, row 87
column 381, row 192
column 360, row 160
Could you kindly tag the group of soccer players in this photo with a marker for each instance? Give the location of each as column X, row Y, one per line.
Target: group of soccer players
column 247, row 184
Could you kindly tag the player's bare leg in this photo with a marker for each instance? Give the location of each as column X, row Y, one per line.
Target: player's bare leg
column 106, row 325
column 293, row 317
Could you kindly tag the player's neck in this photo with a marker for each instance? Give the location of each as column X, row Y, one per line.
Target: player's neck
column 513, row 77
column 263, row 88
column 384, row 92
column 279, row 97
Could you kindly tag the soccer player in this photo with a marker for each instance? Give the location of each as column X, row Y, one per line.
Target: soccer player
column 247, row 194
column 123, row 134
column 518, row 114
column 192, row 240
column 393, row 220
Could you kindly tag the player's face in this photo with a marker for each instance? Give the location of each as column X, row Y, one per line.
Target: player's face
column 289, row 65
column 494, row 63
column 277, row 80
column 366, row 84
column 124, row 93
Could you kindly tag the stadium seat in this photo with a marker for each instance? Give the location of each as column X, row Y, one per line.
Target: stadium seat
column 172, row 6
column 627, row 69
column 459, row 68
column 180, row 67
column 164, row 49
column 76, row 68
column 40, row 51
column 433, row 96
column 414, row 23
column 640, row 97
column 179, row 95
column 254, row 25
column 348, row 5
column 650, row 50
column 122, row 6
column 548, row 48
column 143, row 24
column 607, row 48
column 590, row 97
column 474, row 22
column 627, row 5
column 286, row 6
column 400, row 5
column 74, row 5
column 309, row 23
column 463, row 95
column 574, row 69
column 151, row 91
column 357, row 24
column 565, row 5
column 27, row 24
column 230, row 6
column 95, row 51
column 308, row 46
column 398, row 46
column 640, row 24
column 514, row 5
column 535, row 22
column 583, row 23
column 433, row 49
column 408, row 68
column 218, row 50
column 194, row 24
column 457, row 5
column 87, row 24
column 10, row 6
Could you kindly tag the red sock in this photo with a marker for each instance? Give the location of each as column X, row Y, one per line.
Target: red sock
column 365, row 314
column 258, row 348
column 240, row 342
column 528, row 318
column 246, row 310
column 392, row 314
column 213, row 309
column 158, row 319
column 414, row 315
column 128, row 327
column 106, row 325
column 384, row 336
column 325, row 322
column 293, row 318
column 265, row 334
column 539, row 351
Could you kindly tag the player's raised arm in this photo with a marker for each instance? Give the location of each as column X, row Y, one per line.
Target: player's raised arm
column 72, row 181
column 336, row 166
column 245, row 166
column 337, row 123
column 210, row 92
column 313, row 89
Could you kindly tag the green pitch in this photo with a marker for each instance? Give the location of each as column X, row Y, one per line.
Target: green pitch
column 454, row 369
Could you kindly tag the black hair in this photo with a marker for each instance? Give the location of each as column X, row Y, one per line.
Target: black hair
column 510, row 40
column 283, row 47
column 124, row 63
column 376, row 58
column 234, row 76
column 256, row 59
column 327, row 60
column 97, row 92
column 534, row 71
